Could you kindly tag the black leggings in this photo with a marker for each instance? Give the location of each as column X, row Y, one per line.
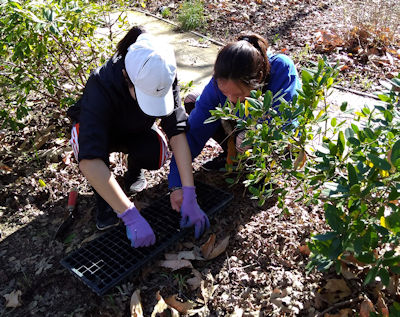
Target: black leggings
column 146, row 151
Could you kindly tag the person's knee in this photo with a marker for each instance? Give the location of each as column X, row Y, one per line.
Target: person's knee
column 190, row 101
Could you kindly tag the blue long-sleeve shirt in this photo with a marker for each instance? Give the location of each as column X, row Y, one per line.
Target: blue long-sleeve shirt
column 283, row 77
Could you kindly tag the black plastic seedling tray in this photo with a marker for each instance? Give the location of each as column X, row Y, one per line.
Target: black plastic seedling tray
column 106, row 261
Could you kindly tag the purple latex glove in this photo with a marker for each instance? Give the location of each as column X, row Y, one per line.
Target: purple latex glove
column 191, row 212
column 138, row 229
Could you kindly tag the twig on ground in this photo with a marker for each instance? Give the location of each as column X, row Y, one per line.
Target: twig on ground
column 340, row 304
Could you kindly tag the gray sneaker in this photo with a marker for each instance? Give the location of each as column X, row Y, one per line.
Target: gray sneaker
column 138, row 182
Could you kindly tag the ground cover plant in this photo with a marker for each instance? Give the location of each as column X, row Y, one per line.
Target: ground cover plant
column 331, row 203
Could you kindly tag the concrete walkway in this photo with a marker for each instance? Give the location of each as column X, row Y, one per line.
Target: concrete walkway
column 196, row 56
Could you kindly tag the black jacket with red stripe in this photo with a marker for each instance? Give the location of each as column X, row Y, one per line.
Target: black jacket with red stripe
column 107, row 113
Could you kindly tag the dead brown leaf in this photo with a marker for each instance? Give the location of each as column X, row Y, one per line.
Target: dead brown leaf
column 4, row 167
column 237, row 313
column 136, row 305
column 181, row 307
column 304, row 249
column 186, row 255
column 176, row 264
column 207, row 247
column 195, row 282
column 300, row 160
column 67, row 157
column 349, row 272
column 210, row 250
column 171, row 256
column 334, row 291
column 381, row 305
column 393, row 284
column 200, row 312
column 207, row 287
column 42, row 137
column 327, row 40
column 162, row 306
column 366, row 307
column 349, row 258
column 13, row 299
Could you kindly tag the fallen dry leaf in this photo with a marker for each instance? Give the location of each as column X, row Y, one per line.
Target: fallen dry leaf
column 67, row 157
column 171, row 256
column 186, row 255
column 4, row 167
column 42, row 137
column 219, row 248
column 334, row 290
column 381, row 305
column 349, row 272
column 349, row 258
column 366, row 307
column 280, row 299
column 300, row 160
column 200, row 312
column 393, row 284
column 176, row 264
column 210, row 250
column 162, row 306
column 238, row 312
column 136, row 305
column 181, row 307
column 194, row 282
column 304, row 249
column 207, row 287
column 13, row 299
column 207, row 247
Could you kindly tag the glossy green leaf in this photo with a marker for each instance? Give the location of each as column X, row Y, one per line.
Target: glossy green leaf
column 306, row 77
column 384, row 275
column 352, row 175
column 354, row 141
column 332, row 216
column 378, row 162
column 395, row 156
column 341, row 143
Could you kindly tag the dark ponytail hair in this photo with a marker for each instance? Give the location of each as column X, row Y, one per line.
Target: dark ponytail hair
column 245, row 61
column 128, row 40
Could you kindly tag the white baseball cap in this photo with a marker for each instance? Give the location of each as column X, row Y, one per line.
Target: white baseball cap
column 151, row 66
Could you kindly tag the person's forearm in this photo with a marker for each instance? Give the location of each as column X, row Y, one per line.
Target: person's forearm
column 183, row 158
column 100, row 177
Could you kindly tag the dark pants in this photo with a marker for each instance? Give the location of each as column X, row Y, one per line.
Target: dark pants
column 147, row 151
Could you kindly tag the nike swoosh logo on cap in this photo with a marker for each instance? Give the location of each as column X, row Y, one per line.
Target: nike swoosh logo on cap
column 159, row 89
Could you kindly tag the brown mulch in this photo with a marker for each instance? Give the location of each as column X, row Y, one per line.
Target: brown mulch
column 262, row 272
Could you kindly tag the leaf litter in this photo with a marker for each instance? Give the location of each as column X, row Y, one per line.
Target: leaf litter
column 261, row 268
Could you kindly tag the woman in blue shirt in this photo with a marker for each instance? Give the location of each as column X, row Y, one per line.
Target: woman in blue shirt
column 240, row 67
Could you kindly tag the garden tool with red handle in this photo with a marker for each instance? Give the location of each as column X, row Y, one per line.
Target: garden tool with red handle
column 68, row 221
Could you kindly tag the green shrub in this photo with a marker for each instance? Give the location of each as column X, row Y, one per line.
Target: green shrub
column 166, row 13
column 353, row 173
column 47, row 50
column 191, row 15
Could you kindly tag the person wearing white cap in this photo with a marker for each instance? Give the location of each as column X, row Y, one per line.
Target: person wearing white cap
column 117, row 112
